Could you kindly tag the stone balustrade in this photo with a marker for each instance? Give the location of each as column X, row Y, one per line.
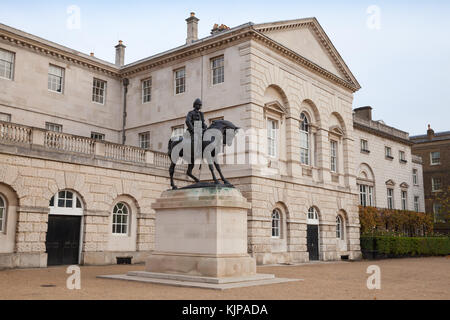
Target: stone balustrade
column 12, row 133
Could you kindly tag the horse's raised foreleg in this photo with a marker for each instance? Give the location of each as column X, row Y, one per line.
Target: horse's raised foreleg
column 172, row 171
column 220, row 173
column 189, row 172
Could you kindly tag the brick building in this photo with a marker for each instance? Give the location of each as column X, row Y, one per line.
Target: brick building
column 434, row 148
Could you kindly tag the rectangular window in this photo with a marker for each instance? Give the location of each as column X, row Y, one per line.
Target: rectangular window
column 98, row 91
column 146, row 90
column 177, row 131
column 365, row 195
column 390, row 198
column 416, row 204
column 333, row 154
column 415, row 177
column 388, row 152
column 304, row 147
column 404, row 200
column 217, row 68
column 53, row 127
column 98, row 136
column 5, row 117
column 272, row 138
column 435, row 184
column 144, row 140
column 437, row 211
column 402, row 156
column 6, row 64
column 435, row 158
column 55, row 78
column 364, row 145
column 180, row 80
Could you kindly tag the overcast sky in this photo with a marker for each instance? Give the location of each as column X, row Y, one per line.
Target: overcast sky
column 399, row 51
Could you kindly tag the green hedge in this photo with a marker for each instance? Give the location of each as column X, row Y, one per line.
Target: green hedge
column 391, row 246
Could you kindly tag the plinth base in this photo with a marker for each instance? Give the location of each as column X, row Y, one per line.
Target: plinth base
column 205, row 266
column 197, row 281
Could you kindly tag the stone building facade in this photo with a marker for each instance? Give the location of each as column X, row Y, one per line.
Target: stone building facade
column 434, row 148
column 64, row 114
column 388, row 174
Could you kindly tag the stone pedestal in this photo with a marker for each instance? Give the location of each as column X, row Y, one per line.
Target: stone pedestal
column 201, row 232
column 201, row 241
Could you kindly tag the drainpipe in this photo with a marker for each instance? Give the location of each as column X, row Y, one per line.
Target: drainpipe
column 125, row 83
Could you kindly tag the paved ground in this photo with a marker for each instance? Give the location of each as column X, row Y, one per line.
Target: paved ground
column 417, row 278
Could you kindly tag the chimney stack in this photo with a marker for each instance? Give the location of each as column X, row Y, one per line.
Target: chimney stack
column 364, row 113
column 430, row 133
column 120, row 54
column 192, row 28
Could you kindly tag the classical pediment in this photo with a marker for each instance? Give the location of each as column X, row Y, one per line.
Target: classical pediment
column 404, row 185
column 390, row 183
column 275, row 107
column 307, row 38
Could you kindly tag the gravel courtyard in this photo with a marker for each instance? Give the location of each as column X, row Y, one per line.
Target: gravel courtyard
column 415, row 278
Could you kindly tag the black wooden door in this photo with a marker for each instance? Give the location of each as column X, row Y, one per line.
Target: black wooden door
column 63, row 240
column 313, row 242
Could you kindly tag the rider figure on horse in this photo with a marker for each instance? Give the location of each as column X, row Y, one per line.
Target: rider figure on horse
column 192, row 117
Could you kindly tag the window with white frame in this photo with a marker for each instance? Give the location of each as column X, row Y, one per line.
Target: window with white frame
column 55, row 78
column 3, row 209
column 177, row 132
column 98, row 136
column 402, row 156
column 144, row 140
column 404, row 200
column 304, row 139
column 146, row 90
column 415, row 177
column 217, row 69
column 276, row 223
column 339, row 228
column 390, row 198
column 435, row 184
column 53, row 127
column 272, row 128
column 121, row 219
column 6, row 64
column 180, row 80
column 366, row 195
column 333, row 156
column 65, row 199
column 416, row 204
column 388, row 152
column 6, row 117
column 312, row 214
column 435, row 158
column 364, row 145
column 99, row 91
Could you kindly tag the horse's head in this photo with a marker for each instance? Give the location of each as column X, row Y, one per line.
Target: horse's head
column 228, row 130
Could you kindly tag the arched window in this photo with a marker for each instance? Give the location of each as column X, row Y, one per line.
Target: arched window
column 304, row 139
column 339, row 230
column 276, row 223
column 312, row 214
column 2, row 214
column 120, row 219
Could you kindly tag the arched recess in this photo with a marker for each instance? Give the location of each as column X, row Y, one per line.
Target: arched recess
column 117, row 239
column 341, row 230
column 310, row 108
column 64, row 239
column 339, row 146
column 365, row 181
column 280, row 243
column 8, row 221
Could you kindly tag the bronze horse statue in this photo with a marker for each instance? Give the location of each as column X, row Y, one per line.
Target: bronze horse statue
column 220, row 132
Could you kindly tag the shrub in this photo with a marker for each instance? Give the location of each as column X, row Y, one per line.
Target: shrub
column 394, row 246
column 376, row 221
